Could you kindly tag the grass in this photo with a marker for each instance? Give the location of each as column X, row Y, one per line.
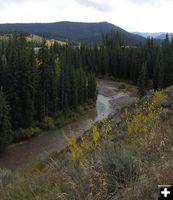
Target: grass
column 51, row 42
column 155, row 160
column 36, row 38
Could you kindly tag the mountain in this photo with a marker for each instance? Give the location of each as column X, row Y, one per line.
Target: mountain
column 163, row 36
column 72, row 31
column 146, row 34
column 157, row 36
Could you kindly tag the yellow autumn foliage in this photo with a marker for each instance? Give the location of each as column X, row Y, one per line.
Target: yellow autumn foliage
column 95, row 134
column 75, row 149
column 143, row 122
column 107, row 128
column 79, row 150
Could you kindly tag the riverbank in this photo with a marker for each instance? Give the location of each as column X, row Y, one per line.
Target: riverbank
column 52, row 123
column 117, row 159
column 18, row 155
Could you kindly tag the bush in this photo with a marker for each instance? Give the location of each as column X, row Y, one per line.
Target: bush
column 122, row 86
column 81, row 110
column 144, row 122
column 62, row 120
column 23, row 134
column 88, row 143
column 119, row 167
column 105, row 167
column 48, row 123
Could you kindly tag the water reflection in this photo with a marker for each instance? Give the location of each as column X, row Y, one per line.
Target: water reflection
column 104, row 106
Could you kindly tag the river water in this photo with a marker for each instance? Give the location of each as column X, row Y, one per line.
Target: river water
column 23, row 153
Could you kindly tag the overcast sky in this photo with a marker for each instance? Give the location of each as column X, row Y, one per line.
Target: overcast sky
column 132, row 15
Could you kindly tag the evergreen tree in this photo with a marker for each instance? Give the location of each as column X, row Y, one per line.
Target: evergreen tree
column 166, row 61
column 5, row 127
column 143, row 80
column 21, row 82
column 47, row 89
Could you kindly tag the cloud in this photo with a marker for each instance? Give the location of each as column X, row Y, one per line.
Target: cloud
column 132, row 15
column 142, row 2
column 100, row 5
column 5, row 4
column 9, row 2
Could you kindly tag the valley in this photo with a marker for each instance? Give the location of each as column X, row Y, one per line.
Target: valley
column 110, row 99
column 86, row 100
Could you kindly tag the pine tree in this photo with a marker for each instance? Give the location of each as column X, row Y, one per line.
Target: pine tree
column 5, row 126
column 166, row 61
column 47, row 89
column 21, row 82
column 143, row 80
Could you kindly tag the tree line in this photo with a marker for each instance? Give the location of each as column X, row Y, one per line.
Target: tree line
column 34, row 86
column 148, row 65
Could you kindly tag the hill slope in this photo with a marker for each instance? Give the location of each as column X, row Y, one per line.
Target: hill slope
column 73, row 31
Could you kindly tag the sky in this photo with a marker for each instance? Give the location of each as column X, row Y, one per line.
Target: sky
column 131, row 15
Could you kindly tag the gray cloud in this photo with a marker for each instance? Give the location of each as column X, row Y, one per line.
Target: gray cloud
column 100, row 6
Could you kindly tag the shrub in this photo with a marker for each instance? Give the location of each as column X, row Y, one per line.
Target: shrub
column 48, row 123
column 90, row 142
column 74, row 183
column 144, row 121
column 122, row 86
column 119, row 167
column 23, row 134
column 81, row 110
column 103, row 168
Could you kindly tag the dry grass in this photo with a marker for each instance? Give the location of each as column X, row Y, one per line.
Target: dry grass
column 157, row 165
column 102, row 168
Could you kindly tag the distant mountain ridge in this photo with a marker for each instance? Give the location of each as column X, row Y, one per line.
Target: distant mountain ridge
column 159, row 36
column 146, row 34
column 72, row 31
column 163, row 36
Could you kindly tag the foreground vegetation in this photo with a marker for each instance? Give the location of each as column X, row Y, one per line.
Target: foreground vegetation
column 116, row 160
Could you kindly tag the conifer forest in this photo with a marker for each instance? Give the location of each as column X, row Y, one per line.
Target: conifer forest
column 39, row 83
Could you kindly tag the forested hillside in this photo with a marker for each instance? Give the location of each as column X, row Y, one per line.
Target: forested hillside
column 72, row 31
column 35, row 87
column 147, row 65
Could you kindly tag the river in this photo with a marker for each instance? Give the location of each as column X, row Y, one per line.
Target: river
column 17, row 155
